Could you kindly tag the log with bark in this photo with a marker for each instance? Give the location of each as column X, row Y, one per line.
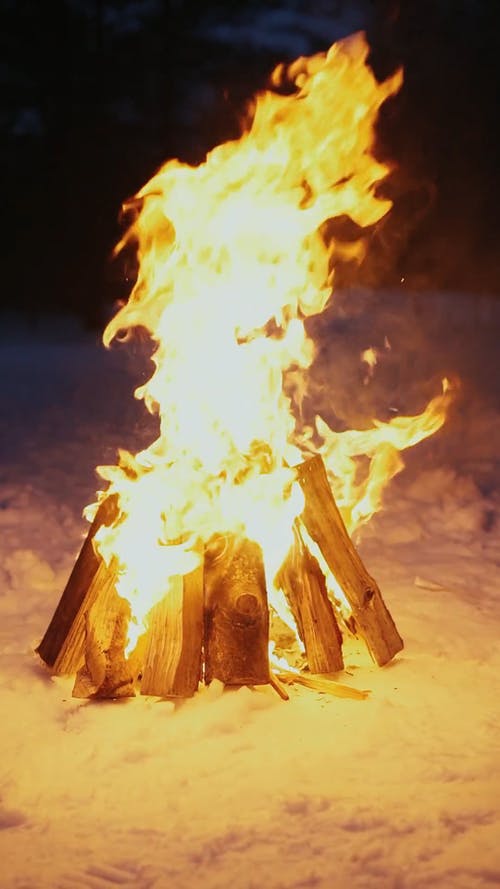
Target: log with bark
column 236, row 613
column 325, row 525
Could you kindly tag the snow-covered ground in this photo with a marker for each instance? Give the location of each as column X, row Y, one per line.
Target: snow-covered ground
column 239, row 789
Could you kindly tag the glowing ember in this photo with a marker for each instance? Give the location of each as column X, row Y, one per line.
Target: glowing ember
column 231, row 260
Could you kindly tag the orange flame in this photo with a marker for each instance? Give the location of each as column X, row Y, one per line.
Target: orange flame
column 231, row 260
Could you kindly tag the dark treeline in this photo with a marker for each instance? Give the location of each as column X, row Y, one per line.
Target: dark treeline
column 97, row 94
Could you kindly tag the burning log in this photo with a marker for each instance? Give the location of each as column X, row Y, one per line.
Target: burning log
column 63, row 644
column 303, row 583
column 218, row 612
column 236, row 614
column 324, row 523
column 106, row 673
column 173, row 657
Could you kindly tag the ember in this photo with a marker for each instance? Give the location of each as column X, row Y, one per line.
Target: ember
column 209, row 545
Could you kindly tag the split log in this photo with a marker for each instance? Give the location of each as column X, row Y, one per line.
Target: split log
column 324, row 523
column 236, row 614
column 63, row 644
column 106, row 673
column 173, row 659
column 322, row 685
column 303, row 583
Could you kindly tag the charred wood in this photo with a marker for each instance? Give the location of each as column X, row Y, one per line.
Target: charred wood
column 236, row 614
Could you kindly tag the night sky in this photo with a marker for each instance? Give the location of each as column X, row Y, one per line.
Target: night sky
column 98, row 94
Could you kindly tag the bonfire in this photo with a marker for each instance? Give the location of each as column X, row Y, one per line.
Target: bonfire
column 224, row 550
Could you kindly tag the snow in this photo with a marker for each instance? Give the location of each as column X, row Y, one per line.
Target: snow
column 240, row 789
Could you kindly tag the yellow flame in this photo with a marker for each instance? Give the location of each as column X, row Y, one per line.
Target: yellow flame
column 369, row 357
column 381, row 446
column 231, row 260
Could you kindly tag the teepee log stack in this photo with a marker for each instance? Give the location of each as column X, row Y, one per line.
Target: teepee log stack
column 214, row 622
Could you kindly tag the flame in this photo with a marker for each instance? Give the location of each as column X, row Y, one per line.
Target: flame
column 380, row 446
column 370, row 358
column 232, row 258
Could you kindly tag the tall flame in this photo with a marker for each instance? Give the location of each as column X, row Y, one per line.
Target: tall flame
column 231, row 260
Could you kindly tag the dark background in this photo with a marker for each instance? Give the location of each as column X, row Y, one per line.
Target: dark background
column 96, row 95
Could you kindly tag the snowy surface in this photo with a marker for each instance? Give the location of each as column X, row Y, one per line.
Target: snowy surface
column 240, row 790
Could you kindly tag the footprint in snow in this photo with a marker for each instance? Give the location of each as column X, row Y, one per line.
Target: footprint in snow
column 104, row 877
column 11, row 818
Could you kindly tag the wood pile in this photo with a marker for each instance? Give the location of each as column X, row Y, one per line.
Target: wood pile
column 214, row 622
